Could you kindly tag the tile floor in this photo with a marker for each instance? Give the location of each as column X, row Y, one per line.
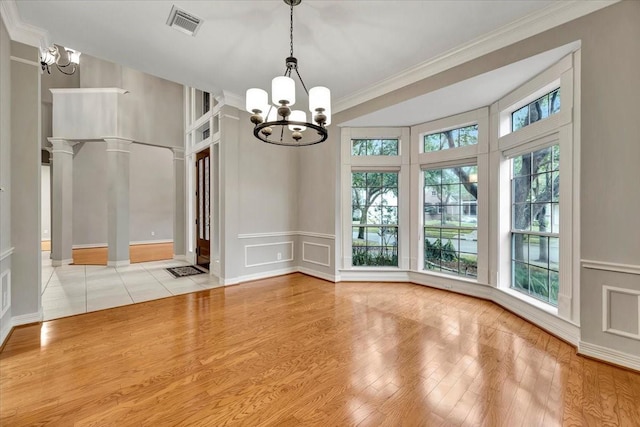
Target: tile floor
column 76, row 289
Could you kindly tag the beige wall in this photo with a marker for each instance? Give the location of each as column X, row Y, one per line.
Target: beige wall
column 152, row 111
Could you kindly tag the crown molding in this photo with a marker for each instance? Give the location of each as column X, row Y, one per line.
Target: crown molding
column 231, row 99
column 552, row 16
column 19, row 30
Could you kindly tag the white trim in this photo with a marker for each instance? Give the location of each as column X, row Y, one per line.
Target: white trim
column 25, row 61
column 25, row 319
column 180, row 258
column 286, row 233
column 318, row 235
column 452, row 284
column 279, row 261
column 19, row 30
column 317, row 262
column 606, row 326
column 358, row 274
column 231, row 99
column 150, row 242
column 257, row 276
column 562, row 328
column 6, row 253
column 229, row 116
column 271, row 234
column 61, row 262
column 554, row 15
column 6, row 327
column 90, row 90
column 609, row 355
column 90, row 246
column 120, row 263
column 3, row 310
column 611, row 266
column 106, row 245
column 318, row 274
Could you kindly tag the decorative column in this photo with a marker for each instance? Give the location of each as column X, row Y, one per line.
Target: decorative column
column 179, row 205
column 118, row 201
column 62, row 201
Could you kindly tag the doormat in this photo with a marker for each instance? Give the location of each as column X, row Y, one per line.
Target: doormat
column 187, row 270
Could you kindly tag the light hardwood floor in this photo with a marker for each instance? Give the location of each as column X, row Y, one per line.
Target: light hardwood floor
column 295, row 350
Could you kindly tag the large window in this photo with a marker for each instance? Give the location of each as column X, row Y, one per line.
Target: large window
column 374, row 207
column 451, row 220
column 535, row 210
column 453, row 138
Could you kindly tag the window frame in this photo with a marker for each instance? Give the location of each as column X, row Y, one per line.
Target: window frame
column 375, row 163
column 559, row 128
column 478, row 155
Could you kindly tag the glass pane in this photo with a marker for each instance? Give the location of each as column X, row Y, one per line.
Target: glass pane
column 389, row 215
column 520, row 247
column 541, row 161
column 555, row 101
column 374, row 147
column 520, row 118
column 469, row 241
column 541, row 214
column 555, row 190
column 555, row 218
column 554, row 253
column 538, row 250
column 358, row 147
column 390, row 147
column 554, row 287
column 374, row 179
column 521, row 217
column 520, row 277
column 469, row 265
column 358, row 179
column 539, row 282
column 207, row 215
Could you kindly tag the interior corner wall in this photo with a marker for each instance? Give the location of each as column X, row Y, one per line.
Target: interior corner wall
column 259, row 202
column 318, row 173
column 5, row 182
column 151, row 194
column 25, row 183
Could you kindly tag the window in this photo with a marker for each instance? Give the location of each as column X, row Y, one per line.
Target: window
column 460, row 137
column 535, row 232
column 537, row 110
column 451, row 220
column 374, row 207
column 374, row 147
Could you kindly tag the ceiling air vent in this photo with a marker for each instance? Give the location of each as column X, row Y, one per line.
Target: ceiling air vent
column 183, row 21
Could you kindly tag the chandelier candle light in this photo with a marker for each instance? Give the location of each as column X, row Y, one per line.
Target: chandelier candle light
column 67, row 63
column 277, row 123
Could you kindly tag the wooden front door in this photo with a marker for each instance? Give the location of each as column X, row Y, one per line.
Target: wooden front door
column 203, row 208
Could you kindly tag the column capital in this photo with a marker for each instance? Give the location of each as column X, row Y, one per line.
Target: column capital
column 115, row 144
column 178, row 153
column 61, row 145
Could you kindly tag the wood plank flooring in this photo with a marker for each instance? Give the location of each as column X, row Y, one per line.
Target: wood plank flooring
column 137, row 253
column 295, row 350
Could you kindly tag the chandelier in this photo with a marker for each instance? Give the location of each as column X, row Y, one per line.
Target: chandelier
column 278, row 123
column 66, row 62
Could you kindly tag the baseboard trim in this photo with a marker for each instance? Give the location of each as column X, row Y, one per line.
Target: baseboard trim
column 557, row 326
column 615, row 357
column 318, row 274
column 180, row 257
column 5, row 333
column 61, row 262
column 26, row 319
column 257, row 276
column 374, row 276
column 477, row 290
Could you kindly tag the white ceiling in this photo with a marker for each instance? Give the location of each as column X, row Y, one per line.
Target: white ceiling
column 348, row 46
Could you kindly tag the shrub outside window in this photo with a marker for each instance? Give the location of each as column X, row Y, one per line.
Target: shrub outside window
column 451, row 220
column 374, row 208
column 535, row 210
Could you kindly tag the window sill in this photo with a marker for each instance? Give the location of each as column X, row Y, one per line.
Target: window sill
column 447, row 276
column 530, row 300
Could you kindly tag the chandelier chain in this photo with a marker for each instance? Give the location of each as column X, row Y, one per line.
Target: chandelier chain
column 291, row 29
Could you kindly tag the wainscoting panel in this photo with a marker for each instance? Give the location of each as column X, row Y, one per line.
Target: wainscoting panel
column 621, row 311
column 316, row 253
column 268, row 253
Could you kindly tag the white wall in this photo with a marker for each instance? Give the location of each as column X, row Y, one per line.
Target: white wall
column 5, row 182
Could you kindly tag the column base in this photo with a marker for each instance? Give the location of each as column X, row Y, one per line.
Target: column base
column 61, row 262
column 121, row 263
